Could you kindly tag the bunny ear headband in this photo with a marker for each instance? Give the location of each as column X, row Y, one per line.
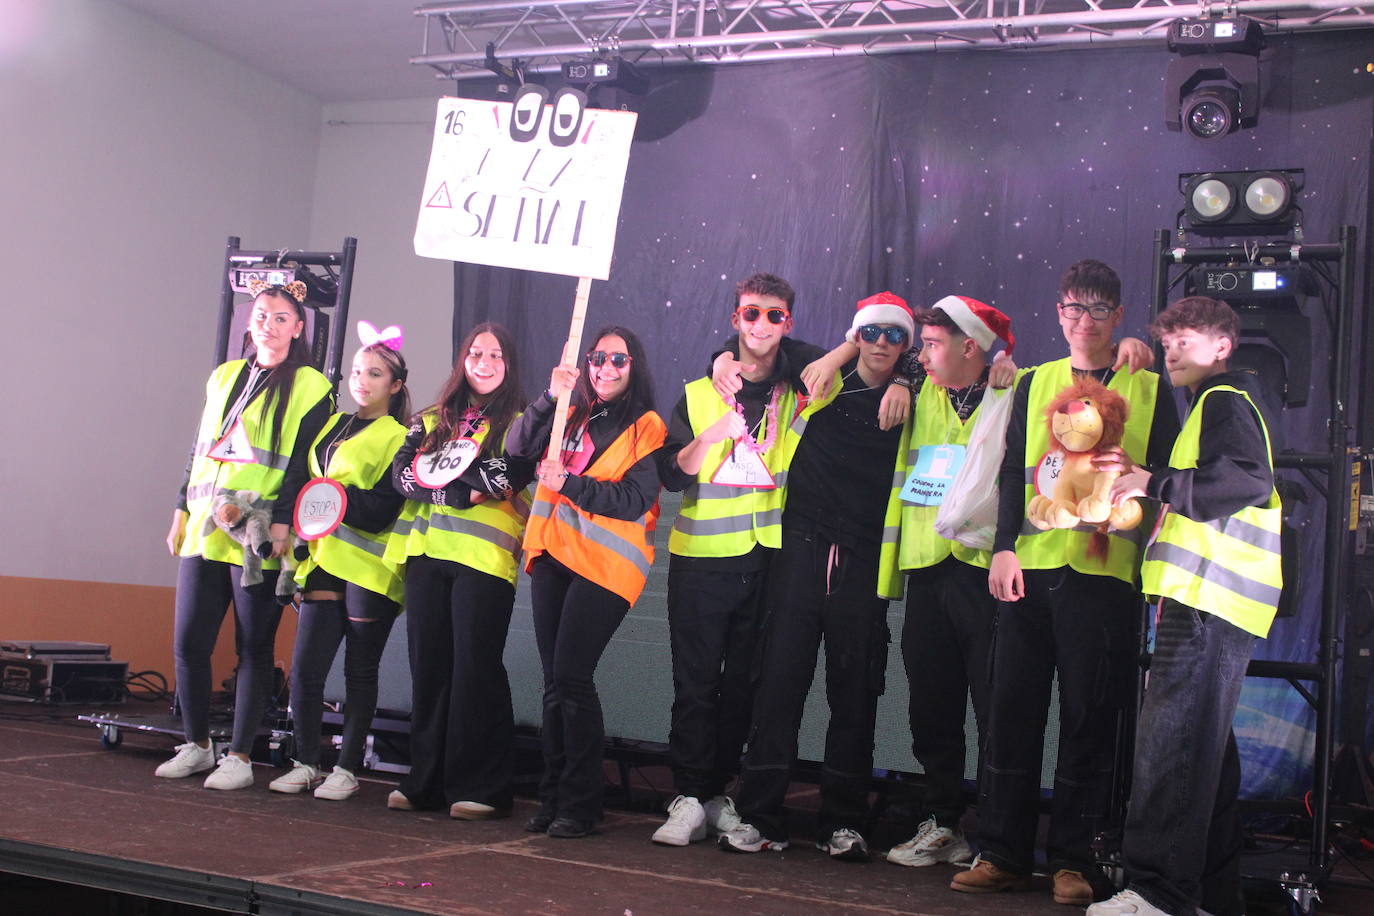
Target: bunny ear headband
column 295, row 289
column 390, row 336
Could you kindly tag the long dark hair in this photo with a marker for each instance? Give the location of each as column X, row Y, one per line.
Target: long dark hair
column 282, row 376
column 639, row 394
column 399, row 405
column 457, row 395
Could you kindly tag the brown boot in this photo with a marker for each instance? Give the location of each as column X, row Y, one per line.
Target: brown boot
column 1072, row 889
column 986, row 878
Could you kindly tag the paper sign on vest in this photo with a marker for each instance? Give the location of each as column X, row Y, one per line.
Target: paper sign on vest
column 1047, row 472
column 319, row 508
column 936, row 468
column 440, row 468
column 233, row 447
column 744, row 467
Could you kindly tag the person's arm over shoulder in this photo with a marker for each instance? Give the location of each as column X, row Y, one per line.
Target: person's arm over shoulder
column 298, row 469
column 680, row 434
column 528, row 436
column 1011, row 480
column 1233, row 469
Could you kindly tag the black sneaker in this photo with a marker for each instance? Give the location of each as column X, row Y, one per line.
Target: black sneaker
column 845, row 844
column 570, row 828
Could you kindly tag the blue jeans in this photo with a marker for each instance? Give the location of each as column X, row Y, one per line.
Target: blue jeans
column 1181, row 843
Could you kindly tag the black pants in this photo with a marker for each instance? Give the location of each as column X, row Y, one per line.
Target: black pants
column 1182, row 842
column 362, row 621
column 574, row 620
column 816, row 593
column 462, row 726
column 947, row 653
column 1085, row 628
column 713, row 625
column 204, row 590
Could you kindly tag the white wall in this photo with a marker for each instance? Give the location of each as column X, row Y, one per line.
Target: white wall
column 372, row 162
column 130, row 153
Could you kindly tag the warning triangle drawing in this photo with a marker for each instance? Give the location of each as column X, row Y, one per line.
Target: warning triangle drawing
column 440, row 197
column 743, row 467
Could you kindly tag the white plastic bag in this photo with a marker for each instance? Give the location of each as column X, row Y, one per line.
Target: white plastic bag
column 969, row 511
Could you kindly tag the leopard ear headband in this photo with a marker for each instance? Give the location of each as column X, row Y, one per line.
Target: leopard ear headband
column 295, row 289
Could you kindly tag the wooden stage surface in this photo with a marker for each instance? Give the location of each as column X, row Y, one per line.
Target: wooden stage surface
column 80, row 814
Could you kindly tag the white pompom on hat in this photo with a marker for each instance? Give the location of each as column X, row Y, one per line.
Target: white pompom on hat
column 883, row 308
column 985, row 324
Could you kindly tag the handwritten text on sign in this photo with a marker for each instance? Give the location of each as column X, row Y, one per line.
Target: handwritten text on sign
column 531, row 204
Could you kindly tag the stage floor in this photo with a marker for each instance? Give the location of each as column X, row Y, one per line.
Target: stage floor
column 78, row 813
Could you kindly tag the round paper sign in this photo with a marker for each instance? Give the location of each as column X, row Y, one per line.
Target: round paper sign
column 1047, row 472
column 320, row 508
column 440, row 468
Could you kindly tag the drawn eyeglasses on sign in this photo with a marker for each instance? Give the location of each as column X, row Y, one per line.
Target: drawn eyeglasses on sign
column 527, row 113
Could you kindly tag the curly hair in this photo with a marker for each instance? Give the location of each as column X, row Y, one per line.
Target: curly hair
column 765, row 285
column 1198, row 313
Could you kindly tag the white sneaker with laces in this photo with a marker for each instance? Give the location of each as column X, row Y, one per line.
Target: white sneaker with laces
column 301, row 778
column 845, row 844
column 230, row 773
column 746, row 838
column 686, row 823
column 721, row 816
column 1126, row 903
column 931, row 844
column 189, row 759
column 338, row 785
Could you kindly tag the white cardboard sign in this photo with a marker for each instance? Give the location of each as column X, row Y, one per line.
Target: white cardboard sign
column 548, row 202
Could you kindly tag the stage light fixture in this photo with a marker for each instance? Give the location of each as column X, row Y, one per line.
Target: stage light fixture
column 1241, row 203
column 1212, row 88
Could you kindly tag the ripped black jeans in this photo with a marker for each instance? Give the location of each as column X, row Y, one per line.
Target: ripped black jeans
column 1084, row 628
column 816, row 591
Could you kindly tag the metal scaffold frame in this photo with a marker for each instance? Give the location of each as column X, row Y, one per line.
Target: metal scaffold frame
column 463, row 40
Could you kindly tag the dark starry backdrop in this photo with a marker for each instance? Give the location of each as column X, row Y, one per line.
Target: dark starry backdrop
column 984, row 174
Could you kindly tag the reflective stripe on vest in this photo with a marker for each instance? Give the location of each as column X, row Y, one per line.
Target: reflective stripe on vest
column 1036, row 549
column 723, row 521
column 351, row 554
column 1230, row 567
column 210, row 477
column 614, row 553
column 484, row 537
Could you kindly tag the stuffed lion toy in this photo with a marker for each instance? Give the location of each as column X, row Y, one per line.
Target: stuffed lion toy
column 1085, row 419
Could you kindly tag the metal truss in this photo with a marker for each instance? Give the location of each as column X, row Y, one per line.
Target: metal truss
column 470, row 38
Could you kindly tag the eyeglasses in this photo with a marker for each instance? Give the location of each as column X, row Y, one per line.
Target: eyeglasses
column 618, row 360
column 1076, row 310
column 752, row 313
column 870, row 333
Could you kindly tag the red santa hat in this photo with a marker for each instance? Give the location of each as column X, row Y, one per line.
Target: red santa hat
column 978, row 320
column 883, row 308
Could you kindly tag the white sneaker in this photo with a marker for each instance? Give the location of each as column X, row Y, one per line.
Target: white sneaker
column 931, row 844
column 190, row 759
column 721, row 816
column 686, row 823
column 1126, row 903
column 230, row 773
column 845, row 844
column 302, row 778
column 746, row 838
column 338, row 785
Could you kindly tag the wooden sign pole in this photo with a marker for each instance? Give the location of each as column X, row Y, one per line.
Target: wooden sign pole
column 571, row 357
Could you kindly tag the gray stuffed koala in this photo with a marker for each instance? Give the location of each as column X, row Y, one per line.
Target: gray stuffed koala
column 241, row 516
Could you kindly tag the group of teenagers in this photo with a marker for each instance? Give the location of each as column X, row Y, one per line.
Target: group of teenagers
column 792, row 535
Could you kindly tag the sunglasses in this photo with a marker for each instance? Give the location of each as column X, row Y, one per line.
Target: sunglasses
column 1076, row 310
column 752, row 313
column 618, row 360
column 870, row 333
